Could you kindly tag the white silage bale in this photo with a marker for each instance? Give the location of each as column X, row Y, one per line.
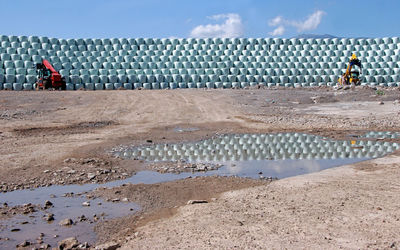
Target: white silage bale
column 27, row 86
column 20, row 71
column 127, row 86
column 33, row 39
column 122, row 78
column 5, row 56
column 85, row 79
column 109, row 86
column 99, row 86
column 75, row 79
column 192, row 85
column 117, row 85
column 94, row 79
column 89, row 86
column 17, row 86
column 15, row 45
column 182, row 85
column 7, row 86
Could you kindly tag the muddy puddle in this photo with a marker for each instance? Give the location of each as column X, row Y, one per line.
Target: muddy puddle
column 248, row 155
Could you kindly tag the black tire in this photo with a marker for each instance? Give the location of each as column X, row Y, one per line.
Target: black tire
column 47, row 84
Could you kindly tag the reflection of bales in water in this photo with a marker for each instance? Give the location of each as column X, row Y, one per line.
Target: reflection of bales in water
column 261, row 147
column 382, row 134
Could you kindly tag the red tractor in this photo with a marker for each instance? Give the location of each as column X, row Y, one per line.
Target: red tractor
column 48, row 77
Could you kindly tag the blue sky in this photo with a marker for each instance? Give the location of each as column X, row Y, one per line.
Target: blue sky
column 199, row 18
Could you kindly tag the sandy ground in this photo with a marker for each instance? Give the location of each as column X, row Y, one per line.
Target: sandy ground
column 343, row 207
column 45, row 135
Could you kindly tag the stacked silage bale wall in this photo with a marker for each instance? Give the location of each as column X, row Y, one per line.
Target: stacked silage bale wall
column 98, row 64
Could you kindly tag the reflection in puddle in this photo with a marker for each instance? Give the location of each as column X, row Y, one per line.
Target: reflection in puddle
column 382, row 134
column 179, row 129
column 248, row 147
column 249, row 155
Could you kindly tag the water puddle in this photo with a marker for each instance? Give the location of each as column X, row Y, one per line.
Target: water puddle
column 250, row 147
column 180, row 130
column 382, row 135
column 249, row 155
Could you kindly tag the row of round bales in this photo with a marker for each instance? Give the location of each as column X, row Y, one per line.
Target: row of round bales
column 196, row 63
column 260, row 147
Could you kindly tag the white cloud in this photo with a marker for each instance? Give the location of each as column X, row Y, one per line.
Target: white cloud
column 278, row 31
column 276, row 21
column 312, row 22
column 231, row 27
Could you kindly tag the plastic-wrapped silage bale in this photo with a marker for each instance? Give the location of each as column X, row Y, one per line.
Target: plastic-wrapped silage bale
column 109, row 86
column 15, row 45
column 20, row 71
column 116, row 65
column 111, row 72
column 9, row 78
column 103, row 79
column 83, row 72
column 94, row 79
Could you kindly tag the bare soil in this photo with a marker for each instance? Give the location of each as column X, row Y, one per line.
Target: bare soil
column 162, row 200
column 52, row 137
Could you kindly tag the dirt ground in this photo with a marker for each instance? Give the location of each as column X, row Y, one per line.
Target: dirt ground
column 54, row 137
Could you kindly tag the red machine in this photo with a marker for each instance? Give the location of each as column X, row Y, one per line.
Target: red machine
column 48, row 77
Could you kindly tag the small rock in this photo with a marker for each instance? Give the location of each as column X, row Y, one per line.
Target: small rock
column 82, row 218
column 46, row 171
column 262, row 177
column 68, row 243
column 66, row 222
column 91, row 176
column 115, row 200
column 125, row 199
column 86, row 204
column 396, row 101
column 49, row 217
column 381, row 103
column 24, row 244
column 84, row 245
column 108, row 246
column 68, row 160
column 15, row 230
column 190, row 202
column 45, row 246
column 47, row 204
column 149, row 141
